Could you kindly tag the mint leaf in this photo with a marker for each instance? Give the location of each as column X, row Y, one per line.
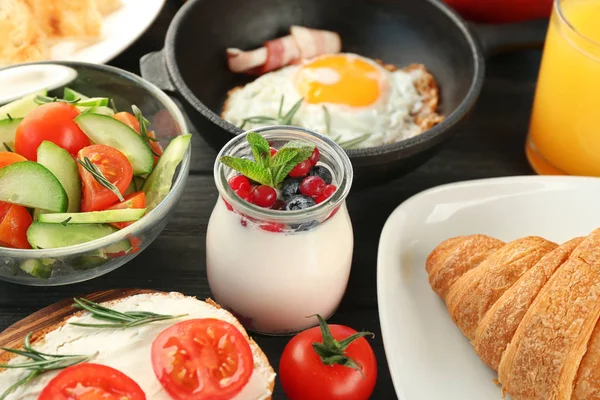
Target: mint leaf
column 250, row 169
column 288, row 156
column 280, row 162
column 260, row 148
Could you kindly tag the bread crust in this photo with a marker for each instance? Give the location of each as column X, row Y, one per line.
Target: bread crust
column 454, row 257
column 38, row 336
column 544, row 356
column 499, row 324
column 477, row 290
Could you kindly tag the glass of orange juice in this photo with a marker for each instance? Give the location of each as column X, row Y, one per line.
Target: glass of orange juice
column 564, row 133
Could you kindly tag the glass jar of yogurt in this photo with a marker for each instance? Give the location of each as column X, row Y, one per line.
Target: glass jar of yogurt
column 276, row 269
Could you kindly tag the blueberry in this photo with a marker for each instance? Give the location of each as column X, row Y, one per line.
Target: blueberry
column 290, row 187
column 306, row 226
column 323, row 172
column 299, row 202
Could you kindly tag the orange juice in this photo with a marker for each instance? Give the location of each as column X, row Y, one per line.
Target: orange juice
column 564, row 134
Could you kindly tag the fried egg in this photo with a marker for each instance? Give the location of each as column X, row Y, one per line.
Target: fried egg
column 352, row 99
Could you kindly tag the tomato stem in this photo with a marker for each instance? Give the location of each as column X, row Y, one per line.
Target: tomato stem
column 332, row 351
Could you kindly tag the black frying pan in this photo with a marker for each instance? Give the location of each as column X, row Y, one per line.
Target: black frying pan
column 193, row 66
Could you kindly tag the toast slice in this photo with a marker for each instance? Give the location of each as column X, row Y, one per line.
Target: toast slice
column 121, row 348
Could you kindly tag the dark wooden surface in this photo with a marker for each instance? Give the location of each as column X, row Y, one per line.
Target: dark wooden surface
column 489, row 144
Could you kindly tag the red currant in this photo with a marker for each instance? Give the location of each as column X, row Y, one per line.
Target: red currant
column 329, row 190
column 279, row 205
column 301, row 169
column 312, row 186
column 273, row 151
column 244, row 192
column 314, row 157
column 263, row 196
column 239, row 182
column 272, row 227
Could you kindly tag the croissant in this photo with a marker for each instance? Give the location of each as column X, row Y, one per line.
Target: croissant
column 530, row 308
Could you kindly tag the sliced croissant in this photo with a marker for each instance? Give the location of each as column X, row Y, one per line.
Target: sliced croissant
column 499, row 324
column 455, row 256
column 478, row 289
column 544, row 356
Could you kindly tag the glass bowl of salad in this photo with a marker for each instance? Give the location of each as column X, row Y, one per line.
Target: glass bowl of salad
column 93, row 160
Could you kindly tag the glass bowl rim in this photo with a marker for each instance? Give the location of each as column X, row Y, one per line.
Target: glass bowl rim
column 147, row 220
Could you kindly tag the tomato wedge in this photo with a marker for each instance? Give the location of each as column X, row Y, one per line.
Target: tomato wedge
column 115, row 167
column 10, row 158
column 130, row 120
column 14, row 222
column 134, row 200
column 53, row 122
column 92, row 382
column 202, row 359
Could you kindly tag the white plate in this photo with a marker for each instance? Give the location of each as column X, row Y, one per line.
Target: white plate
column 119, row 30
column 428, row 356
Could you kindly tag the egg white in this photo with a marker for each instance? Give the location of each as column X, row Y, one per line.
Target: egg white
column 389, row 119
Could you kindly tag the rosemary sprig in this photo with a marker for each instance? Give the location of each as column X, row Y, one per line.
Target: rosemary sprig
column 327, row 117
column 144, row 127
column 280, row 119
column 40, row 363
column 7, row 147
column 10, row 118
column 349, row 144
column 46, row 99
column 118, row 319
column 99, row 177
column 65, row 222
column 112, row 104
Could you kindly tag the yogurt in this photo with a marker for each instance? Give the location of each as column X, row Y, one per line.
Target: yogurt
column 275, row 282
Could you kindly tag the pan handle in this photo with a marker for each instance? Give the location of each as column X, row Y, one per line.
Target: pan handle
column 503, row 38
column 154, row 69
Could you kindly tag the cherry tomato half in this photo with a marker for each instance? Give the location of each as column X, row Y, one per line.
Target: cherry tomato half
column 202, row 359
column 92, row 382
column 115, row 167
column 53, row 122
column 304, row 375
column 10, row 158
column 134, row 200
column 130, row 120
column 14, row 222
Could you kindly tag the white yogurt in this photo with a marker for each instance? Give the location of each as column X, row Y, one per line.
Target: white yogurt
column 273, row 281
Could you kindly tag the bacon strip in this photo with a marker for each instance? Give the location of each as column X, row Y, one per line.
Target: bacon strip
column 314, row 42
column 241, row 61
column 301, row 44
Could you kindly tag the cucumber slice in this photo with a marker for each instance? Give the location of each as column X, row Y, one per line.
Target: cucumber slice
column 40, row 268
column 61, row 164
column 20, row 108
column 70, row 95
column 50, row 236
column 93, row 102
column 103, row 110
column 8, row 128
column 30, row 184
column 94, row 217
column 106, row 130
column 137, row 182
column 159, row 182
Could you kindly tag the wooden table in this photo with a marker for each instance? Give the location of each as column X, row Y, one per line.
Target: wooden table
column 489, row 144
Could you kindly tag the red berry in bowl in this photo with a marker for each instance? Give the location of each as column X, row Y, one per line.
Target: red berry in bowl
column 244, row 192
column 263, row 196
column 314, row 157
column 312, row 186
column 239, row 182
column 301, row 169
column 273, row 151
column 329, row 190
column 272, row 227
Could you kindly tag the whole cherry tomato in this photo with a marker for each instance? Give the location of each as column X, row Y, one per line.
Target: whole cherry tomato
column 53, row 122
column 332, row 362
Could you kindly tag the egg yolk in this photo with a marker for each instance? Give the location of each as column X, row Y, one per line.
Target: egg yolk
column 339, row 79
